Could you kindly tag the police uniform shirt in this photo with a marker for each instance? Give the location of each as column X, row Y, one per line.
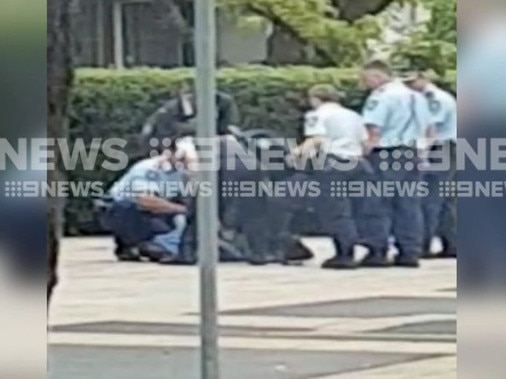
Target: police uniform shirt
column 343, row 129
column 401, row 115
column 443, row 108
column 151, row 175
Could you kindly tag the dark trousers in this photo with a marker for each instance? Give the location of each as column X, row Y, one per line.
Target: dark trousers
column 242, row 213
column 334, row 212
column 401, row 213
column 369, row 218
column 131, row 226
column 439, row 212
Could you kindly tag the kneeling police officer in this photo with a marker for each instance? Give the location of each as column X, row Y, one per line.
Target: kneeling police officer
column 147, row 216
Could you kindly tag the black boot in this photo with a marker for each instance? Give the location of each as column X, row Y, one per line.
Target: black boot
column 152, row 251
column 426, row 253
column 126, row 254
column 343, row 260
column 449, row 250
column 375, row 260
column 296, row 251
column 340, row 263
column 407, row 261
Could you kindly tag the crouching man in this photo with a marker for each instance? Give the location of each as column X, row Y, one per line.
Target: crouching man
column 148, row 215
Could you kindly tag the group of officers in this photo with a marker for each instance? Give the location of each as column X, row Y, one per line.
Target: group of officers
column 405, row 119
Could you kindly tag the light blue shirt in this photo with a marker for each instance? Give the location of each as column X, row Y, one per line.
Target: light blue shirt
column 401, row 115
column 152, row 176
column 443, row 107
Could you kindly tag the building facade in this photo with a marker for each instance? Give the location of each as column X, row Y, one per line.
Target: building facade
column 128, row 33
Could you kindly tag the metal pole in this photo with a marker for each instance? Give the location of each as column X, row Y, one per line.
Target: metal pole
column 117, row 18
column 207, row 207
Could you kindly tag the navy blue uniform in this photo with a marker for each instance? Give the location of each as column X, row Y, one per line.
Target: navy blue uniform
column 131, row 225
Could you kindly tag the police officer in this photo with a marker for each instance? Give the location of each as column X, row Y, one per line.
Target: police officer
column 175, row 116
column 146, row 217
column 439, row 212
column 396, row 118
column 337, row 133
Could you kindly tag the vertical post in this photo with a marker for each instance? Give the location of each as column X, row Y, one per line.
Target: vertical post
column 207, row 207
column 117, row 19
column 100, row 33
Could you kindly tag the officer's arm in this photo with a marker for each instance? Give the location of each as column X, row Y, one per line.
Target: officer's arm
column 187, row 154
column 433, row 115
column 161, row 121
column 376, row 114
column 157, row 204
column 314, row 131
column 228, row 113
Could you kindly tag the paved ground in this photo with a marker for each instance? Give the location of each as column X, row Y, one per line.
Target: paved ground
column 140, row 321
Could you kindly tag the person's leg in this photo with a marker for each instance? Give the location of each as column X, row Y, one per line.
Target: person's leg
column 408, row 220
column 447, row 229
column 278, row 218
column 369, row 215
column 243, row 212
column 336, row 220
column 375, row 215
column 130, row 227
column 432, row 206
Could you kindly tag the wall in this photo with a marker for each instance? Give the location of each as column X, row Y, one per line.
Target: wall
column 239, row 43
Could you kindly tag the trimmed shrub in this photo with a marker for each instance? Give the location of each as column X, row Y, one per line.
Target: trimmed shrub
column 115, row 103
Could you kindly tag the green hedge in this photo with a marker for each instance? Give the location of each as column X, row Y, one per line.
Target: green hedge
column 115, row 103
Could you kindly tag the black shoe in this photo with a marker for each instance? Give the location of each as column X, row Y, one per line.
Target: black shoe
column 375, row 261
column 166, row 259
column 428, row 255
column 127, row 254
column 406, row 262
column 297, row 252
column 258, row 260
column 340, row 263
column 450, row 253
column 181, row 261
column 151, row 251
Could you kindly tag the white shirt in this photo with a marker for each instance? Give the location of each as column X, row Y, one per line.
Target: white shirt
column 343, row 128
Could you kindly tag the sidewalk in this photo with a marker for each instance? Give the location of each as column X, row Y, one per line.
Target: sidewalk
column 140, row 320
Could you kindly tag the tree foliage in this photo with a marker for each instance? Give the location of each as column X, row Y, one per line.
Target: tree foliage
column 336, row 30
column 315, row 23
column 434, row 44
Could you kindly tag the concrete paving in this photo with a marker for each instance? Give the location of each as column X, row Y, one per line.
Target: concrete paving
column 140, row 320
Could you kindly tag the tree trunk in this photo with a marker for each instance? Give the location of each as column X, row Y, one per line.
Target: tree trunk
column 59, row 80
